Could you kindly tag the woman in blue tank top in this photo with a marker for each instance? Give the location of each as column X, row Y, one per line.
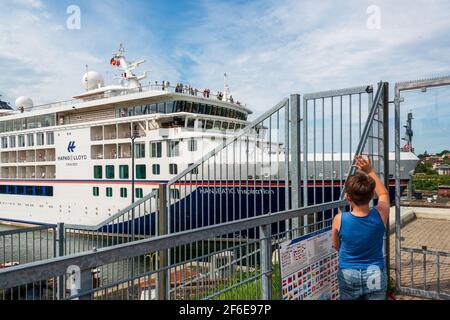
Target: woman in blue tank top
column 358, row 236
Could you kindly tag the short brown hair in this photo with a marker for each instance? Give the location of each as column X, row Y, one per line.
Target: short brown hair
column 360, row 187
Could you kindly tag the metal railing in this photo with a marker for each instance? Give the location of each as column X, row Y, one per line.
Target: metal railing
column 425, row 272
column 231, row 270
column 441, row 257
column 254, row 196
column 144, row 88
column 137, row 221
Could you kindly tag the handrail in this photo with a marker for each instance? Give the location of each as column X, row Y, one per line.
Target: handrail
column 37, row 271
column 102, row 224
column 146, row 88
column 366, row 130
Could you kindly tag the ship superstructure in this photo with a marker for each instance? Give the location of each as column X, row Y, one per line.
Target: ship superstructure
column 71, row 161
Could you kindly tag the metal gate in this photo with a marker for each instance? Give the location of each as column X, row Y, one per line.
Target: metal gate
column 423, row 263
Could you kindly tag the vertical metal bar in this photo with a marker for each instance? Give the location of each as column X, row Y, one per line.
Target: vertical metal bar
column 398, row 264
column 266, row 262
column 295, row 157
column 86, row 284
column 60, row 252
column 438, row 274
column 286, row 164
column 163, row 278
column 385, row 168
column 305, row 161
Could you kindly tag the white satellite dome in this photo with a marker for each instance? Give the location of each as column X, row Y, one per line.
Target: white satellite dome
column 24, row 102
column 92, row 80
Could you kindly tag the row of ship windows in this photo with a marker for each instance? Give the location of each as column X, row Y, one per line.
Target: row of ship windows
column 140, row 171
column 29, row 140
column 180, row 106
column 111, row 151
column 139, row 193
column 47, row 120
column 43, row 191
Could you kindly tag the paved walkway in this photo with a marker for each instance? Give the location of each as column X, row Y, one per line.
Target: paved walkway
column 435, row 234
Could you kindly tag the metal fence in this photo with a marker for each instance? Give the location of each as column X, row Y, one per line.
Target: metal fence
column 214, row 236
column 418, row 271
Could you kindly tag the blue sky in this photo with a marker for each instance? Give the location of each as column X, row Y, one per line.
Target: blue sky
column 269, row 48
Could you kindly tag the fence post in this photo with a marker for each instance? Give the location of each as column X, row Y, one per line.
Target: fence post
column 266, row 261
column 385, row 151
column 60, row 240
column 162, row 280
column 295, row 162
column 86, row 284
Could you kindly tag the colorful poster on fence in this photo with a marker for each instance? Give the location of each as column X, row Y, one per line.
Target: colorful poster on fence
column 309, row 268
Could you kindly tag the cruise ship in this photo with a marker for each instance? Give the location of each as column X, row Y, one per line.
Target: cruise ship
column 71, row 161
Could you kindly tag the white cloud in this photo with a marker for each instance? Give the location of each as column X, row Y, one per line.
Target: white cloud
column 41, row 58
column 289, row 46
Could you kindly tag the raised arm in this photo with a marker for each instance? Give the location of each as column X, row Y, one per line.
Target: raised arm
column 380, row 190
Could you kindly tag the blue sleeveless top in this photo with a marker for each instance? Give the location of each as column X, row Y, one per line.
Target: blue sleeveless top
column 361, row 241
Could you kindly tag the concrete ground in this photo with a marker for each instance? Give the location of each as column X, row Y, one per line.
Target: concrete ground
column 423, row 231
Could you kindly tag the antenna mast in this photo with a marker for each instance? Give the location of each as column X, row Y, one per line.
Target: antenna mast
column 408, row 134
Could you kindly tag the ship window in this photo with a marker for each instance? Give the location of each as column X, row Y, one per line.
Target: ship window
column 177, row 106
column 98, row 172
column 141, row 172
column 195, row 107
column 188, row 106
column 201, row 108
column 169, row 107
column 156, row 149
column 130, row 111
column 139, row 193
column 190, row 123
column 231, row 126
column 121, row 112
column 194, row 170
column 49, row 191
column 224, row 125
column 109, row 172
column 209, row 124
column 27, row 190
column 139, row 150
column 123, row 192
column 208, row 109
column 123, row 172
column 4, row 142
column 217, row 125
column 50, row 138
column 109, row 192
column 223, row 112
column 146, row 109
column 95, row 191
column 19, row 190
column 156, row 170
column 153, row 108
column 21, row 142
column 138, row 110
column 12, row 141
column 30, row 140
column 39, row 191
column 173, row 168
column 192, row 145
column 173, row 148
column 175, row 193
column 161, row 107
column 40, row 138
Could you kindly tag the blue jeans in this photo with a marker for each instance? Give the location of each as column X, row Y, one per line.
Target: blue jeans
column 362, row 284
